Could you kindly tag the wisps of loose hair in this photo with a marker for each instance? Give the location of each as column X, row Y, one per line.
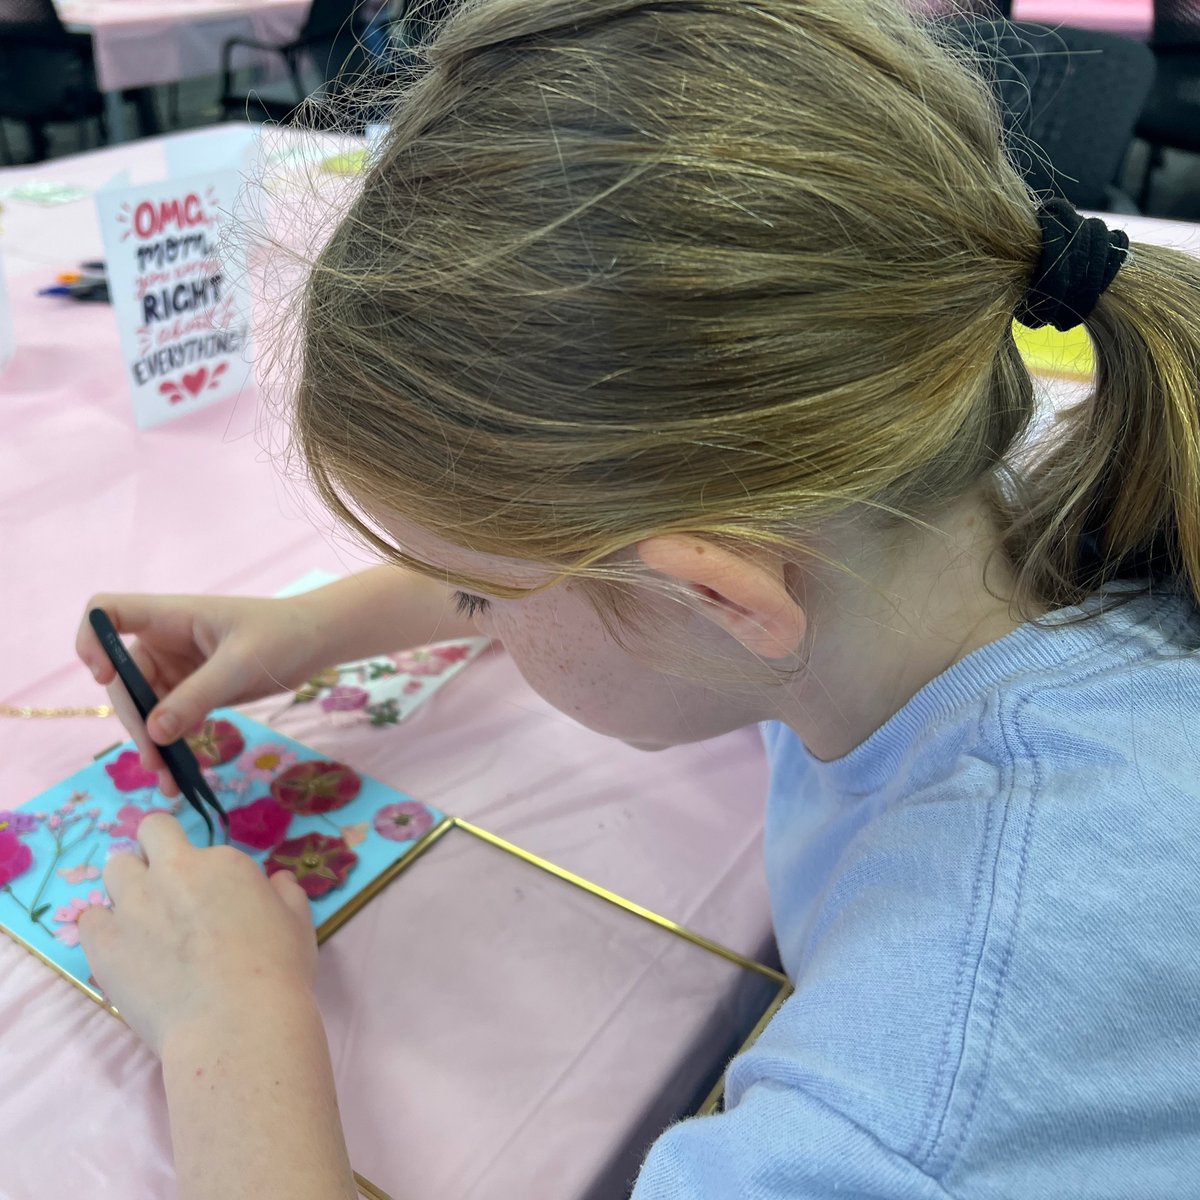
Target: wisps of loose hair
column 622, row 268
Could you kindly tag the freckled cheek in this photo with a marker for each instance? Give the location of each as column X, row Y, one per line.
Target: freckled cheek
column 549, row 668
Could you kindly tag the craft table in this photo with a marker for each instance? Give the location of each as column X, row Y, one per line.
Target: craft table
column 597, row 1024
column 139, row 43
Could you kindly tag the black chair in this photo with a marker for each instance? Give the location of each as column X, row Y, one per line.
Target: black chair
column 329, row 41
column 1171, row 118
column 1070, row 99
column 48, row 75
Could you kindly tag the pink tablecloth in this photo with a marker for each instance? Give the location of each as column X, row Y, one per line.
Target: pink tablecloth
column 143, row 42
column 1133, row 18
column 86, row 503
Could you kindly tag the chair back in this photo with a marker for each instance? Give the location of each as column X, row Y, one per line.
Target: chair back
column 1176, row 24
column 1075, row 94
column 333, row 41
column 46, row 73
column 31, row 17
column 329, row 19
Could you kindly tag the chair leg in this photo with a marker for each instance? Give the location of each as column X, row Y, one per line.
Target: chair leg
column 1154, row 159
column 39, row 144
column 147, row 113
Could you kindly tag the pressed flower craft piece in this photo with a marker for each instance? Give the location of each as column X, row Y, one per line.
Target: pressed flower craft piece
column 290, row 809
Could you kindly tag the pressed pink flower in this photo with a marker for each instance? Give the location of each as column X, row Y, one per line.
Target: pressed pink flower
column 355, row 835
column 259, row 825
column 413, row 686
column 316, row 787
column 15, row 857
column 68, row 916
column 53, row 821
column 260, row 764
column 234, row 785
column 216, row 742
column 346, row 699
column 403, row 822
column 79, row 874
column 128, row 774
column 128, row 819
column 320, row 863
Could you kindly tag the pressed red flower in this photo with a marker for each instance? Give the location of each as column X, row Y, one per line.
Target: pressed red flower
column 259, row 825
column 128, row 774
column 15, row 857
column 216, row 742
column 320, row 863
column 316, row 786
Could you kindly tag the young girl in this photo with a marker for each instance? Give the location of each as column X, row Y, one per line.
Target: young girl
column 682, row 329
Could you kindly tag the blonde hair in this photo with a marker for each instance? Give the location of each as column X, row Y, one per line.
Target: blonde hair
column 724, row 267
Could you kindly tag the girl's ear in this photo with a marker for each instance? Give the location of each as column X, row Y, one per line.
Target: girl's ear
column 748, row 598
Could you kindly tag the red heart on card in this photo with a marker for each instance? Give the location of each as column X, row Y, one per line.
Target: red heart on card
column 195, row 382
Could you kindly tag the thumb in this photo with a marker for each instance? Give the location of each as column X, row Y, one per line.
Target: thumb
column 288, row 889
column 209, row 686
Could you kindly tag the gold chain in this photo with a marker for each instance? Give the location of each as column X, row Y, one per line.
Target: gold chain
column 19, row 710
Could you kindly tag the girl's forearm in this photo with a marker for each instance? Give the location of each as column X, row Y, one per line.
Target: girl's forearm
column 384, row 609
column 253, row 1107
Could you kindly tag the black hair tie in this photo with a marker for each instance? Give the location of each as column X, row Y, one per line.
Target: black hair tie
column 1080, row 258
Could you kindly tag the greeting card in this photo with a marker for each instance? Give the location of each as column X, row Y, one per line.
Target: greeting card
column 178, row 289
column 343, row 834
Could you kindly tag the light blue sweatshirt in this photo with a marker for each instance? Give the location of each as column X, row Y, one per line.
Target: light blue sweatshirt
column 991, row 912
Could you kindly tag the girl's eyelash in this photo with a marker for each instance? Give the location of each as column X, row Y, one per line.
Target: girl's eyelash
column 468, row 605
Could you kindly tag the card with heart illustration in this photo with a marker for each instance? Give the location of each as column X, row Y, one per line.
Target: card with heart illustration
column 178, row 286
column 343, row 834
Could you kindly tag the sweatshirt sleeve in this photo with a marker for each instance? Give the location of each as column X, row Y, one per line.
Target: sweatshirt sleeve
column 778, row 1143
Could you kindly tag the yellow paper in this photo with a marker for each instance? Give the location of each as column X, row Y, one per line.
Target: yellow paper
column 1056, row 355
column 351, row 163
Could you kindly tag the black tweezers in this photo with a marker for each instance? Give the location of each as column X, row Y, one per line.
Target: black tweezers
column 178, row 756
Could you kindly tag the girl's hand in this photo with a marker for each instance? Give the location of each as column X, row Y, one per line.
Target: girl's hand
column 199, row 653
column 195, row 935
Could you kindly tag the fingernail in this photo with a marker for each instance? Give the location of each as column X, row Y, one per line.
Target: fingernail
column 95, row 670
column 166, row 726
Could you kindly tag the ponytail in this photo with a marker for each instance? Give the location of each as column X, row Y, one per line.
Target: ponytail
column 1117, row 494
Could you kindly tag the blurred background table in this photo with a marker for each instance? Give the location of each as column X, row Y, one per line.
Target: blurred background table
column 1133, row 18
column 139, row 43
